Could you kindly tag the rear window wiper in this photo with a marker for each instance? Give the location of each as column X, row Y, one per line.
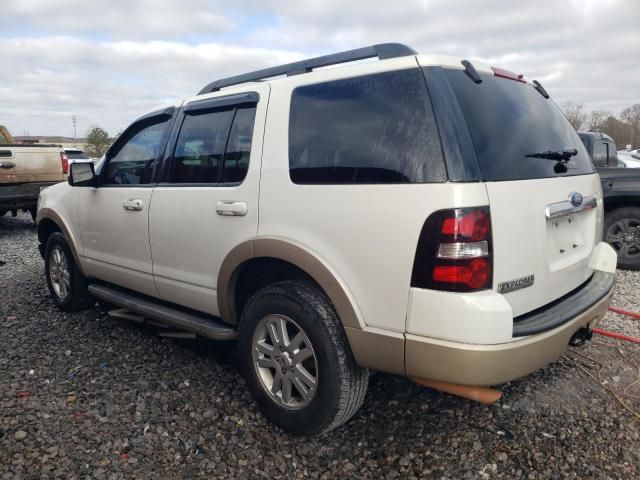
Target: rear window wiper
column 556, row 155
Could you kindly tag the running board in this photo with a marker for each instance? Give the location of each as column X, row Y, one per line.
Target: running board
column 200, row 324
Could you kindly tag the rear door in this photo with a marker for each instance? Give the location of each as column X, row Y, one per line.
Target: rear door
column 543, row 201
column 207, row 202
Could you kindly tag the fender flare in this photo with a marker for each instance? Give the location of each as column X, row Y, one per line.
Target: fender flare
column 49, row 214
column 297, row 254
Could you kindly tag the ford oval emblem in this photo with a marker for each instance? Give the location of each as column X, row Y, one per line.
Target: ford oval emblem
column 576, row 199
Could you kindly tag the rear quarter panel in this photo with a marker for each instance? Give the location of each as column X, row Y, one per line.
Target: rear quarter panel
column 367, row 233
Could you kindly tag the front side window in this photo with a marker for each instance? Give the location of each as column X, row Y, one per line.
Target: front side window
column 213, row 146
column 132, row 163
column 370, row 129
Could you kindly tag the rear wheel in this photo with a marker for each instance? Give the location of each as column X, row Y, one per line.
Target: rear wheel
column 68, row 287
column 622, row 232
column 297, row 361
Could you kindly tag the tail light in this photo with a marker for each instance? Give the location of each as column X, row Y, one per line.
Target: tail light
column 64, row 160
column 454, row 251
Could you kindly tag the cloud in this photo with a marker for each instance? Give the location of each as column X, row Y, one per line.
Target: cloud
column 109, row 62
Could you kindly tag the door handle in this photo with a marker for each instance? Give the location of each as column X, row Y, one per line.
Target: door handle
column 232, row 209
column 7, row 164
column 133, row 204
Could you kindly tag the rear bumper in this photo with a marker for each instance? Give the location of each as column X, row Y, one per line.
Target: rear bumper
column 470, row 364
column 23, row 195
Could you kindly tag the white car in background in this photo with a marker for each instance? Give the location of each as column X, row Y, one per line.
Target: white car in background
column 629, row 158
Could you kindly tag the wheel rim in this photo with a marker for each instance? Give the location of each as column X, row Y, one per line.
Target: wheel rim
column 624, row 237
column 59, row 272
column 285, row 362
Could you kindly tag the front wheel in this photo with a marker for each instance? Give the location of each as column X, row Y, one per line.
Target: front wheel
column 622, row 232
column 68, row 287
column 297, row 361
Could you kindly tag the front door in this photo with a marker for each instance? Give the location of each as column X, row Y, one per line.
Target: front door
column 114, row 217
column 208, row 201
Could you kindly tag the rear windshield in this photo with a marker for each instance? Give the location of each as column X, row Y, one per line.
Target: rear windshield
column 77, row 155
column 509, row 121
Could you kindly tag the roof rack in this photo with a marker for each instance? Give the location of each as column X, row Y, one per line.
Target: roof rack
column 381, row 50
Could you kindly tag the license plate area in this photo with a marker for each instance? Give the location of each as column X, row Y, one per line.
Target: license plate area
column 567, row 241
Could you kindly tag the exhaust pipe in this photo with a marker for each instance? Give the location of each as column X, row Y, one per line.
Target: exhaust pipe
column 484, row 395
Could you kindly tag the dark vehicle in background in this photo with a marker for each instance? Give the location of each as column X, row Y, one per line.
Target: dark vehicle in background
column 621, row 192
column 76, row 155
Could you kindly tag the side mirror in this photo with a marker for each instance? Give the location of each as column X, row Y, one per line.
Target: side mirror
column 82, row 175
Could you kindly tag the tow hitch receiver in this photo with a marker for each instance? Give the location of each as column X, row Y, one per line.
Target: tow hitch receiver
column 581, row 337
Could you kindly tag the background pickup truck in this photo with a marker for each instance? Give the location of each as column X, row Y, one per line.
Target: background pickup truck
column 621, row 190
column 24, row 170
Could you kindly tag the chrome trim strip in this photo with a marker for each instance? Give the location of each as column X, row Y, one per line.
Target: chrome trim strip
column 562, row 209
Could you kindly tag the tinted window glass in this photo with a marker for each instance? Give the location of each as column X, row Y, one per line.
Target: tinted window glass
column 133, row 163
column 509, row 120
column 77, row 156
column 600, row 153
column 612, row 154
column 236, row 157
column 200, row 147
column 370, row 129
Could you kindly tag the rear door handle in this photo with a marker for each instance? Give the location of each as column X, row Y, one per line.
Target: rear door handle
column 232, row 209
column 7, row 165
column 133, row 204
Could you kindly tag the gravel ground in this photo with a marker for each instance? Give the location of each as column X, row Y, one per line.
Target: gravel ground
column 91, row 396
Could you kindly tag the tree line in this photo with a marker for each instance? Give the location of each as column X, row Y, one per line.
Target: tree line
column 624, row 129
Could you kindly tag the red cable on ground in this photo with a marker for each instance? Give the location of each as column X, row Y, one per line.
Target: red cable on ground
column 619, row 336
column 625, row 312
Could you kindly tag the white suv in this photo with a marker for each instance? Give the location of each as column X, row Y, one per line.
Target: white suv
column 416, row 215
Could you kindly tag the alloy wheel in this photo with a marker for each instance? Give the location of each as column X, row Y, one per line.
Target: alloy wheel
column 285, row 362
column 59, row 272
column 624, row 237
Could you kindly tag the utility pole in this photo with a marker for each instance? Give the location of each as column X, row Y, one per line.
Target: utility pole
column 75, row 140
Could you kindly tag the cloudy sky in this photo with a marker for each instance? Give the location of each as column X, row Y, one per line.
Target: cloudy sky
column 107, row 62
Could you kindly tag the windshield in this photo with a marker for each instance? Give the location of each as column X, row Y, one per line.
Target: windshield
column 517, row 133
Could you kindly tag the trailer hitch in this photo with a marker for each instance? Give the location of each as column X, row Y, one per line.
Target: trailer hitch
column 581, row 337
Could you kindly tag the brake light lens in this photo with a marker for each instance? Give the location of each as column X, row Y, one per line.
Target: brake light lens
column 473, row 225
column 64, row 160
column 501, row 72
column 454, row 251
column 475, row 274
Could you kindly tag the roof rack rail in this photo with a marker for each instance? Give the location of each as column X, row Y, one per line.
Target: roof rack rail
column 381, row 50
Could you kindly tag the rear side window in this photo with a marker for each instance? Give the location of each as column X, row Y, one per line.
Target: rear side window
column 509, row 121
column 213, row 146
column 371, row 129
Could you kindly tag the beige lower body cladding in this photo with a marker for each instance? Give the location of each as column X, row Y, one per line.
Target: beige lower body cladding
column 468, row 364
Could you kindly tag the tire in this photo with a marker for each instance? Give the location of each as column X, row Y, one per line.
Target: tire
column 68, row 290
column 622, row 232
column 341, row 384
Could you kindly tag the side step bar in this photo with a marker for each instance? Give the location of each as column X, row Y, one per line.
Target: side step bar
column 200, row 324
